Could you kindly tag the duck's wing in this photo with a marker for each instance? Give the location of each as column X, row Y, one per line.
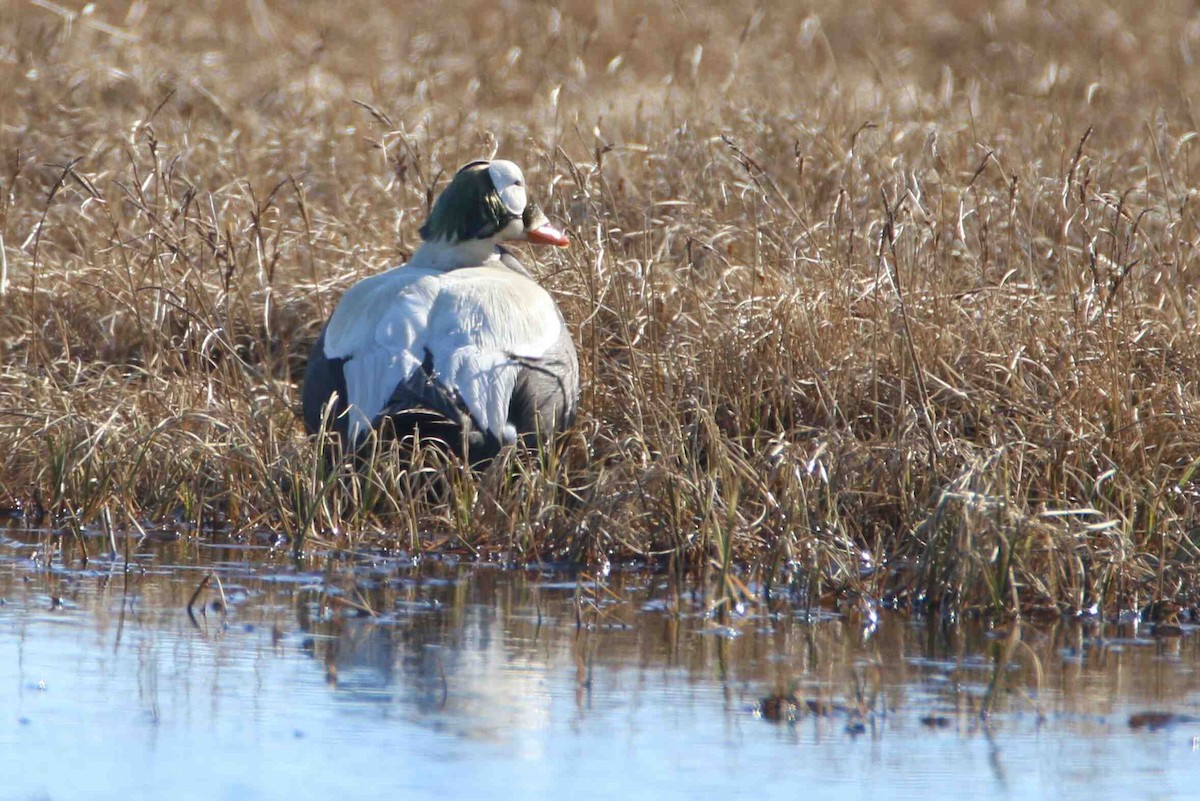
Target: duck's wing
column 546, row 390
column 485, row 326
column 377, row 332
column 324, row 393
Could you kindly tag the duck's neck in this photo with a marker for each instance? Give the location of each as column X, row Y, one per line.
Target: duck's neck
column 444, row 256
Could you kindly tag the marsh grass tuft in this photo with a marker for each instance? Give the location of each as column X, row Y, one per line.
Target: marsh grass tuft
column 884, row 301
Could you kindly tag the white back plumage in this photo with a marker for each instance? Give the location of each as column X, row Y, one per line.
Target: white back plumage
column 463, row 318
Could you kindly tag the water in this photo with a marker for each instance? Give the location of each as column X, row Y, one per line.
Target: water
column 466, row 681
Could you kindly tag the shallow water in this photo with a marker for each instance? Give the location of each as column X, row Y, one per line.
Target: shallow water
column 354, row 677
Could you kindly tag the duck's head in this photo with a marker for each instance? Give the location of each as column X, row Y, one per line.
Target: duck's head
column 487, row 201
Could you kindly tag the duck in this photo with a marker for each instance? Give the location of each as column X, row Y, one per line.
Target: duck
column 461, row 344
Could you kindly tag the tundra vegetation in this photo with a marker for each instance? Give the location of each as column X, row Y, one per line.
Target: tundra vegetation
column 876, row 301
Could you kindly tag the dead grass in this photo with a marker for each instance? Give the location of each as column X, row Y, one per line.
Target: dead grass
column 894, row 302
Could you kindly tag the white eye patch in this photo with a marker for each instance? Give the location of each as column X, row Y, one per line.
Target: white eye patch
column 510, row 185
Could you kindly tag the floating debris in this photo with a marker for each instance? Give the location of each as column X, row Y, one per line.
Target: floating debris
column 779, row 708
column 1154, row 721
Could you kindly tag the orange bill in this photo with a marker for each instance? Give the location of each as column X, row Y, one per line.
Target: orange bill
column 547, row 235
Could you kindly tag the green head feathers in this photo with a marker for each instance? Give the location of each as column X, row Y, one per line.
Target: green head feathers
column 469, row 208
